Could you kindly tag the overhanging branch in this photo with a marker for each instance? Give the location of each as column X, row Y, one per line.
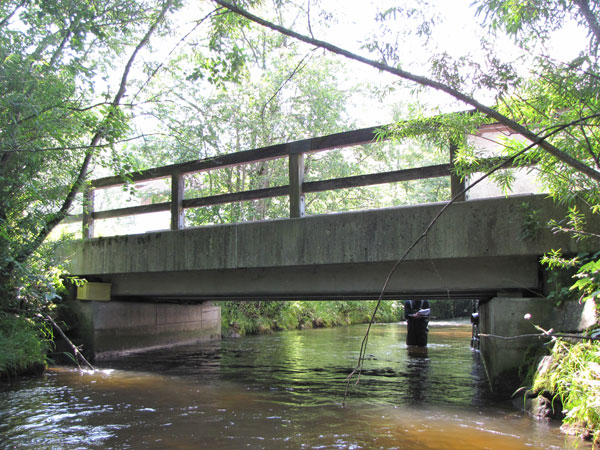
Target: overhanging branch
column 424, row 81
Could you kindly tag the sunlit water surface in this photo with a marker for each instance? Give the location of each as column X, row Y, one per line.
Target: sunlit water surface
column 285, row 390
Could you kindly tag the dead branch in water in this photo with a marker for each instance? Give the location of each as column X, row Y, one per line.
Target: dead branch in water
column 77, row 354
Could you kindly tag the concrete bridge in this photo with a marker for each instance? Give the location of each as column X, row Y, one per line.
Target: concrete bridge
column 474, row 250
column 155, row 289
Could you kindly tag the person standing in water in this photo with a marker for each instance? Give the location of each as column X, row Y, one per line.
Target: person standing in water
column 416, row 313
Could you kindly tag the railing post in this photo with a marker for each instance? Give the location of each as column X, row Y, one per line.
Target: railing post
column 177, row 192
column 456, row 184
column 88, row 211
column 296, row 167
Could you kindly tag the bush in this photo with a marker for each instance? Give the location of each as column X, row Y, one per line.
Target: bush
column 242, row 318
column 24, row 345
column 573, row 376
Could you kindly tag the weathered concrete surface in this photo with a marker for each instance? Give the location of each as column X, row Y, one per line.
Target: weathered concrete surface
column 504, row 316
column 113, row 328
column 474, row 247
column 468, row 278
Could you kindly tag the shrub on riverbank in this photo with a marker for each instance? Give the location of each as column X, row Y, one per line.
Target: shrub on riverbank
column 256, row 317
column 24, row 345
column 571, row 375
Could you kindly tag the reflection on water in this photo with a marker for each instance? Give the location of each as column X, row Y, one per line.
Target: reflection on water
column 278, row 391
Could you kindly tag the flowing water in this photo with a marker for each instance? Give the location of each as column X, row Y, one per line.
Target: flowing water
column 285, row 390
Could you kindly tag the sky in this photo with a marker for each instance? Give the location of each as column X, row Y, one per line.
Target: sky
column 351, row 22
column 457, row 32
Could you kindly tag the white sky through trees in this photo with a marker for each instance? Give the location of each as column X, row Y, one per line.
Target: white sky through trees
column 454, row 29
column 353, row 25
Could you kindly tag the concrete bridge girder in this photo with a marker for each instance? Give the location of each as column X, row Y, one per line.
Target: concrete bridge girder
column 426, row 279
column 474, row 247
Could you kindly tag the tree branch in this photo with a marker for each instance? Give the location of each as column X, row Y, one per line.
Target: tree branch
column 78, row 147
column 297, row 69
column 424, row 81
column 76, row 353
column 94, row 143
column 590, row 18
column 13, row 12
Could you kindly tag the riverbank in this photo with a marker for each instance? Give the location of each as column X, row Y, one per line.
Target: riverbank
column 263, row 317
column 567, row 383
column 24, row 346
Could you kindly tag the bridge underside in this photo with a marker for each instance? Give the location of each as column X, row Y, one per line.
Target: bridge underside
column 432, row 279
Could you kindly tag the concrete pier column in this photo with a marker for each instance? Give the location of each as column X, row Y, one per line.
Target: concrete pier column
column 504, row 359
column 112, row 328
column 504, row 316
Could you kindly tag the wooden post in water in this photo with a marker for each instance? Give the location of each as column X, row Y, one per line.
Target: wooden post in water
column 88, row 211
column 177, row 192
column 456, row 184
column 296, row 166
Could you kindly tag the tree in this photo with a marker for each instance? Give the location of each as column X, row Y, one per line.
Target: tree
column 284, row 95
column 202, row 119
column 555, row 105
column 442, row 80
column 52, row 120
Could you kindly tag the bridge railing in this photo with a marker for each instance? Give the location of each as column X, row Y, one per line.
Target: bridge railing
column 295, row 189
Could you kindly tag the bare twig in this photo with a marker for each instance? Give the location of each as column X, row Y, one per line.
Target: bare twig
column 574, row 231
column 76, row 352
column 549, row 333
column 180, row 42
column 297, row 69
column 78, row 147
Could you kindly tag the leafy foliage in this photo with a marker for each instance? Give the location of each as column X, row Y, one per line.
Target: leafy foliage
column 56, row 112
column 573, row 376
column 260, row 317
column 51, row 53
column 23, row 345
column 588, row 281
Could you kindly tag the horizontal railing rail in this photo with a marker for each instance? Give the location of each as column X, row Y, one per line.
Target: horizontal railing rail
column 295, row 189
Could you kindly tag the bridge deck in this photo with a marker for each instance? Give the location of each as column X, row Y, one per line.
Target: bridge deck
column 473, row 250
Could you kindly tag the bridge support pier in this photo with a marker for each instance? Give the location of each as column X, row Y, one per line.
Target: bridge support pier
column 505, row 350
column 113, row 328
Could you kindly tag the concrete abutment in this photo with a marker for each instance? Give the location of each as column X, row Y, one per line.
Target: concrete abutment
column 506, row 350
column 112, row 328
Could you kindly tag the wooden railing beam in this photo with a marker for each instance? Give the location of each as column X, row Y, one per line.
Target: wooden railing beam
column 278, row 191
column 131, row 211
column 177, row 194
column 417, row 173
column 88, row 213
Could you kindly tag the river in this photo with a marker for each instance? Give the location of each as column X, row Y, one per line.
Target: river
column 278, row 391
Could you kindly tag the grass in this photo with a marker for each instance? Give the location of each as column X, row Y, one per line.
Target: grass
column 573, row 377
column 24, row 345
column 259, row 317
